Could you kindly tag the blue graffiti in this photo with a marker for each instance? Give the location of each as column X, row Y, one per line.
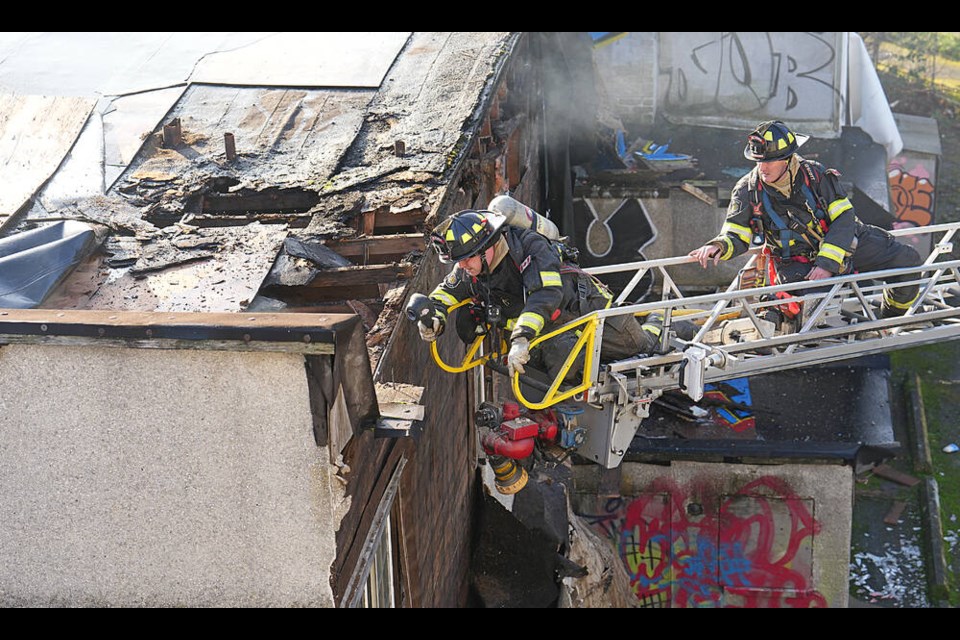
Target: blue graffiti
column 607, row 523
column 734, row 565
column 703, row 563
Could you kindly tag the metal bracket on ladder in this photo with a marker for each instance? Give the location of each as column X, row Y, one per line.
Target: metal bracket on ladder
column 693, row 368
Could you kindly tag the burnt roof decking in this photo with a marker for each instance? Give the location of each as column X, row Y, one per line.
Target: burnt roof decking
column 342, row 140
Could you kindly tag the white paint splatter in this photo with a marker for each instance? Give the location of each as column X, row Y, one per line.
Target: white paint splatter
column 952, row 538
column 882, row 577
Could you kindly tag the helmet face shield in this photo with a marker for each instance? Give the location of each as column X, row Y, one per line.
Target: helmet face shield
column 440, row 245
column 756, row 146
column 772, row 140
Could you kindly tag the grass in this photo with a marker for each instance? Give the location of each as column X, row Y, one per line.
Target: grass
column 947, row 76
column 938, row 365
column 939, row 373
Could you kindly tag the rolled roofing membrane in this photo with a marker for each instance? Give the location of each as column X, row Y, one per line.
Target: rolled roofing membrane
column 35, row 262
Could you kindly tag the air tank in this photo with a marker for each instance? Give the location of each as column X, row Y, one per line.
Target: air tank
column 520, row 215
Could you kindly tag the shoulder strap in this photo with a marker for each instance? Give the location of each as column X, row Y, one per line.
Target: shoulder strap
column 786, row 235
column 812, row 195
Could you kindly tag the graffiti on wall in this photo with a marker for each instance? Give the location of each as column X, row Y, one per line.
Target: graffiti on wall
column 730, row 404
column 911, row 192
column 752, row 76
column 613, row 231
column 601, row 39
column 689, row 547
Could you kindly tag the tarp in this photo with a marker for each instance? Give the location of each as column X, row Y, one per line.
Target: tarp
column 34, row 262
column 869, row 108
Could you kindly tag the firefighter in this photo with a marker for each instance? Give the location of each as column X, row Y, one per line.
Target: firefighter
column 803, row 215
column 517, row 279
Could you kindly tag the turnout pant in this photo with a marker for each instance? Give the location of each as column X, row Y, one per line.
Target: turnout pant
column 876, row 250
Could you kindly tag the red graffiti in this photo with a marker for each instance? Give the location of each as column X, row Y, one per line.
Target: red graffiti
column 766, row 599
column 688, row 547
column 912, row 197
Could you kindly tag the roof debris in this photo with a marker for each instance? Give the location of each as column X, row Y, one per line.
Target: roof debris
column 320, row 203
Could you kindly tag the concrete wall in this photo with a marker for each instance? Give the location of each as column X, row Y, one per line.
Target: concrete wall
column 913, row 189
column 697, row 534
column 913, row 174
column 627, row 229
column 146, row 477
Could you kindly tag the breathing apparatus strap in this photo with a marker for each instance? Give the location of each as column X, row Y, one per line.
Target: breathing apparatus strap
column 795, row 228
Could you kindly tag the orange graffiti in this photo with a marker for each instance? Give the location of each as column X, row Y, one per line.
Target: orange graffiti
column 912, row 197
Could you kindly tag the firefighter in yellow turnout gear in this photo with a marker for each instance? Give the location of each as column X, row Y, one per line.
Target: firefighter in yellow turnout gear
column 803, row 215
column 519, row 280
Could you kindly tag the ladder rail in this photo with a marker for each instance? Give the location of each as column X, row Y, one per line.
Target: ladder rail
column 847, row 296
column 839, row 320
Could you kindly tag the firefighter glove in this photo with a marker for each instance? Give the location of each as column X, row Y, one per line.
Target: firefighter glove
column 519, row 355
column 432, row 330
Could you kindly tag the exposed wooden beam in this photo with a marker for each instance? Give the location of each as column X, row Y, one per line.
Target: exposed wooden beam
column 368, row 220
column 388, row 220
column 178, row 330
column 378, row 245
column 305, row 296
column 294, row 220
column 355, row 276
column 315, row 348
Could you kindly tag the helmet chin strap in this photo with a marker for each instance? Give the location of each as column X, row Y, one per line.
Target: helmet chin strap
column 779, row 183
column 786, row 168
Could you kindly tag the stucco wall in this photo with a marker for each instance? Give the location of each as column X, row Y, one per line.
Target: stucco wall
column 144, row 477
column 696, row 534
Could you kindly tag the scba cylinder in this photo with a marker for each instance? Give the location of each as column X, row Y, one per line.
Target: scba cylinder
column 520, row 215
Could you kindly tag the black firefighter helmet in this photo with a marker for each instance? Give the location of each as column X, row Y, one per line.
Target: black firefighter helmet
column 772, row 140
column 465, row 234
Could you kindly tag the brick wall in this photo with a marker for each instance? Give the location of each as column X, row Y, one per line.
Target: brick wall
column 438, row 492
column 626, row 69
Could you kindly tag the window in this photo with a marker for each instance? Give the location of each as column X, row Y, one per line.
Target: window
column 379, row 590
column 373, row 583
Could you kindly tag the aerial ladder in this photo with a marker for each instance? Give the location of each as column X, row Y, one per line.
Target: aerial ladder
column 599, row 416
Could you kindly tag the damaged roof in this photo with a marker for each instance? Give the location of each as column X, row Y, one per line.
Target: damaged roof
column 227, row 172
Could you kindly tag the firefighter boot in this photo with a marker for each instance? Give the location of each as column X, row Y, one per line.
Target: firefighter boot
column 775, row 316
column 653, row 330
column 890, row 308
